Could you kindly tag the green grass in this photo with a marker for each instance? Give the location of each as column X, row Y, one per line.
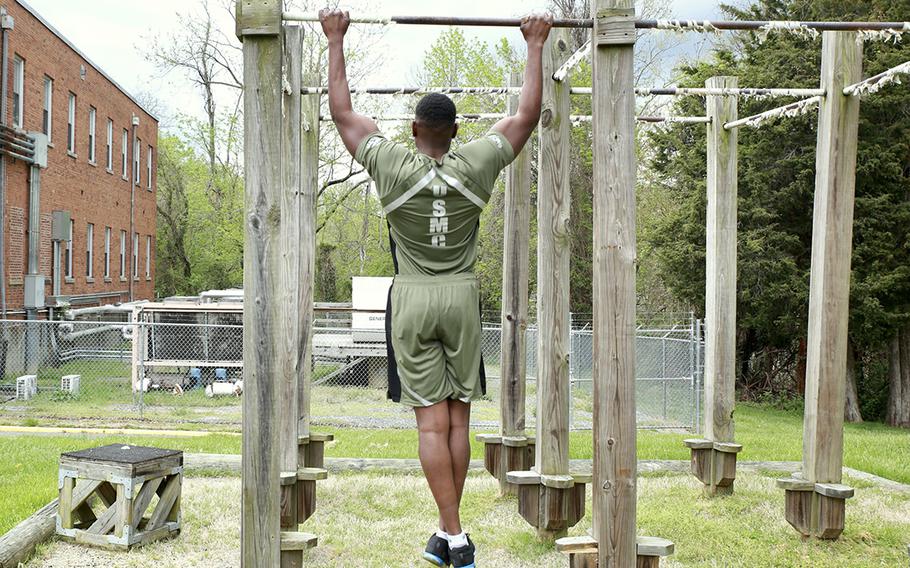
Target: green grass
column 29, row 465
column 373, row 520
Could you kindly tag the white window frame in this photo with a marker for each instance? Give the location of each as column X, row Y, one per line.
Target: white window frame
column 137, row 161
column 136, row 256
column 47, row 120
column 148, row 257
column 90, row 251
column 107, row 253
column 18, row 92
column 92, row 115
column 69, row 253
column 71, row 124
column 123, row 255
column 148, row 172
column 110, row 145
column 124, row 147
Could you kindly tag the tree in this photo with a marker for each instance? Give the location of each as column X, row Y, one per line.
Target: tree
column 777, row 172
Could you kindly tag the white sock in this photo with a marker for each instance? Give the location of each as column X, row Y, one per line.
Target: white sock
column 443, row 535
column 457, row 540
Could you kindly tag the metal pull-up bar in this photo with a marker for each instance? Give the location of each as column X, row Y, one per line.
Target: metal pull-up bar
column 575, row 119
column 685, row 25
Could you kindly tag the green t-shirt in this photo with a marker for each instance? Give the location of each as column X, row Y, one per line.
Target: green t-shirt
column 434, row 207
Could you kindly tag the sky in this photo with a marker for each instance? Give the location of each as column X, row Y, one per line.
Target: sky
column 116, row 35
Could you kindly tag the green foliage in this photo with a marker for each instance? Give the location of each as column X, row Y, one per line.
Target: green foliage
column 776, row 188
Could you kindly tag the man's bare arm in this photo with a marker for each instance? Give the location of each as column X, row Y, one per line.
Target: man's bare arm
column 352, row 127
column 518, row 128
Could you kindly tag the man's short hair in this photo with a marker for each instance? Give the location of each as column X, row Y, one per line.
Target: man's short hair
column 436, row 110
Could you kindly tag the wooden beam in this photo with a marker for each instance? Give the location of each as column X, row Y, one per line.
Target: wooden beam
column 615, row 467
column 553, row 251
column 262, row 263
column 287, row 336
column 515, row 263
column 832, row 246
column 720, row 285
column 309, row 187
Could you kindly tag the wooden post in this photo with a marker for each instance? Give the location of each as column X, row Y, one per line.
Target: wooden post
column 259, row 27
column 309, row 158
column 287, row 324
column 553, row 194
column 714, row 458
column 613, row 107
column 829, row 287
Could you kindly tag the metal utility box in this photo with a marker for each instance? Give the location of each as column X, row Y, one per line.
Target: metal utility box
column 40, row 148
column 60, row 226
column 34, row 291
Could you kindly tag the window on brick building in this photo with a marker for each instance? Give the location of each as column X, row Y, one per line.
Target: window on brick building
column 18, row 91
column 69, row 253
column 135, row 255
column 89, row 250
column 123, row 149
column 148, row 173
column 47, row 121
column 137, row 160
column 148, row 257
column 71, row 125
column 110, row 144
column 123, row 255
column 91, row 134
column 107, row 252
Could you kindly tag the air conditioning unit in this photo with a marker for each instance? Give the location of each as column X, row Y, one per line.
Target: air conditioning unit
column 70, row 384
column 26, row 387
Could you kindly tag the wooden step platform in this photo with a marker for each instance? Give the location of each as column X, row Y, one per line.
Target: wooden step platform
column 503, row 454
column 714, row 464
column 582, row 551
column 816, row 510
column 551, row 503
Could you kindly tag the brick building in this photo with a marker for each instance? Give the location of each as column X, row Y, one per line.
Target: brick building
column 98, row 190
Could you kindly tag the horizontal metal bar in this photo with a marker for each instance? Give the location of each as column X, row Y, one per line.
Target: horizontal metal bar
column 643, row 92
column 693, row 25
column 757, row 119
column 12, row 154
column 872, row 84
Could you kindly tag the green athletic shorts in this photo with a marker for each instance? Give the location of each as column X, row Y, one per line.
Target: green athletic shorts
column 435, row 338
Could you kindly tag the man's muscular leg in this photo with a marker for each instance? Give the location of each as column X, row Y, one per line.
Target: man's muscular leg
column 433, row 425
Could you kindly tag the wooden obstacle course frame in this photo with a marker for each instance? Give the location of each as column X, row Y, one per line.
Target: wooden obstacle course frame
column 583, row 550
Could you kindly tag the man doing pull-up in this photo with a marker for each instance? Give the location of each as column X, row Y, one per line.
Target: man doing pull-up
column 433, row 200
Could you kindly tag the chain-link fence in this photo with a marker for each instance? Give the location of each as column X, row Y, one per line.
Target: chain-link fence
column 186, row 372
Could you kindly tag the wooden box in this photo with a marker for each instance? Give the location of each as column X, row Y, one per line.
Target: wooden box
column 107, row 495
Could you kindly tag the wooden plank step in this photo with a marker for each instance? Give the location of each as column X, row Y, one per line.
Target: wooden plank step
column 654, row 546
column 312, row 474
column 795, row 484
column 288, row 478
column 728, row 447
column 523, row 477
column 316, row 437
column 584, row 478
column 515, row 441
column 488, row 438
column 836, row 490
column 574, row 544
column 698, row 444
column 297, row 540
column 557, row 481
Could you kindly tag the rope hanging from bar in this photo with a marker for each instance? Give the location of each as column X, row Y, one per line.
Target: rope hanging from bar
column 875, row 84
column 795, row 109
column 702, row 26
column 642, row 92
column 572, row 62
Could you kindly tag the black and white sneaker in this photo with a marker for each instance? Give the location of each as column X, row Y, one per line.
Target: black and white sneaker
column 463, row 556
column 437, row 552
